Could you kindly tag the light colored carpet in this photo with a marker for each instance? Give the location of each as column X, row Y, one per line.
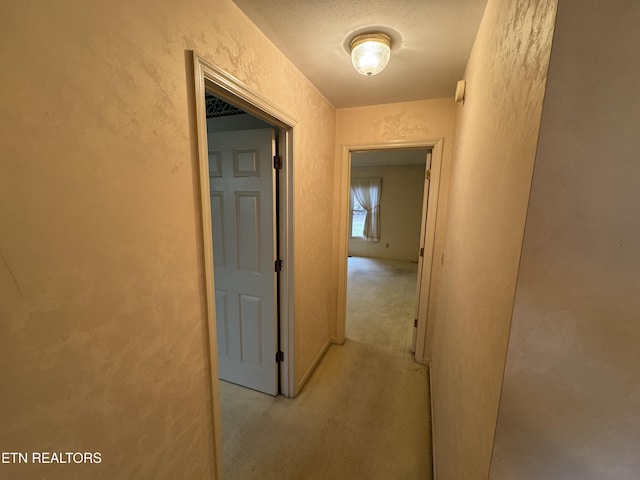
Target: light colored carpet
column 364, row 413
column 381, row 302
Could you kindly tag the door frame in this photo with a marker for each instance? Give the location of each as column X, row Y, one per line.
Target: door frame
column 208, row 77
column 436, row 146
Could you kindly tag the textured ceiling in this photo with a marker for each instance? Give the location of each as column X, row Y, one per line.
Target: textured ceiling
column 431, row 41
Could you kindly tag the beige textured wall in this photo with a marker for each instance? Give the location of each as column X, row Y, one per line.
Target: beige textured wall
column 400, row 213
column 102, row 331
column 570, row 405
column 495, row 144
column 392, row 123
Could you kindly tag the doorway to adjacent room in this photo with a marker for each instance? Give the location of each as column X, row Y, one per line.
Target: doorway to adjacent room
column 431, row 177
column 387, row 192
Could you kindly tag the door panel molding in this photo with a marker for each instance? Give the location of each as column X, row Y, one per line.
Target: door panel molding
column 248, row 206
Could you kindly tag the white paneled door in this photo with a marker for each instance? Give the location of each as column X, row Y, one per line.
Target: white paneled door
column 243, row 210
column 421, row 253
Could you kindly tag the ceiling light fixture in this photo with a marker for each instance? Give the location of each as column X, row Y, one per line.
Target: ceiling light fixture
column 370, row 53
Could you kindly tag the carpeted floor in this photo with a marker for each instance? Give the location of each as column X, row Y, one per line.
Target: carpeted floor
column 381, row 302
column 364, row 413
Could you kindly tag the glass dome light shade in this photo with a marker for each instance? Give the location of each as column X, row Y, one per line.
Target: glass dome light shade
column 370, row 53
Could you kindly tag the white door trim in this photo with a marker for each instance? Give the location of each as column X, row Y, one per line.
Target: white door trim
column 208, row 77
column 343, row 224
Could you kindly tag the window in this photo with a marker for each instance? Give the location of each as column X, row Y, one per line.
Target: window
column 365, row 208
column 358, row 215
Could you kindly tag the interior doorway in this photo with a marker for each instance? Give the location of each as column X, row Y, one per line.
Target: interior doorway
column 383, row 264
column 210, row 79
column 427, row 232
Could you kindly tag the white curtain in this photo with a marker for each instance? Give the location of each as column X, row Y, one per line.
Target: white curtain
column 367, row 192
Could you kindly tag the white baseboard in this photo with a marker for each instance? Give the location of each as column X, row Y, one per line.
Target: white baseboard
column 313, row 366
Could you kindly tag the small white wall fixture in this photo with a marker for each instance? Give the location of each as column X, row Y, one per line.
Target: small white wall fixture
column 436, row 146
column 209, row 78
column 461, row 87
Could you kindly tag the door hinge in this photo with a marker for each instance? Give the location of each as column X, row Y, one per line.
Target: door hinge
column 278, row 266
column 428, row 175
column 415, row 323
column 279, row 357
column 422, row 251
column 277, row 162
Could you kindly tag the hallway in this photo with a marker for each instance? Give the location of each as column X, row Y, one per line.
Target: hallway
column 364, row 414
